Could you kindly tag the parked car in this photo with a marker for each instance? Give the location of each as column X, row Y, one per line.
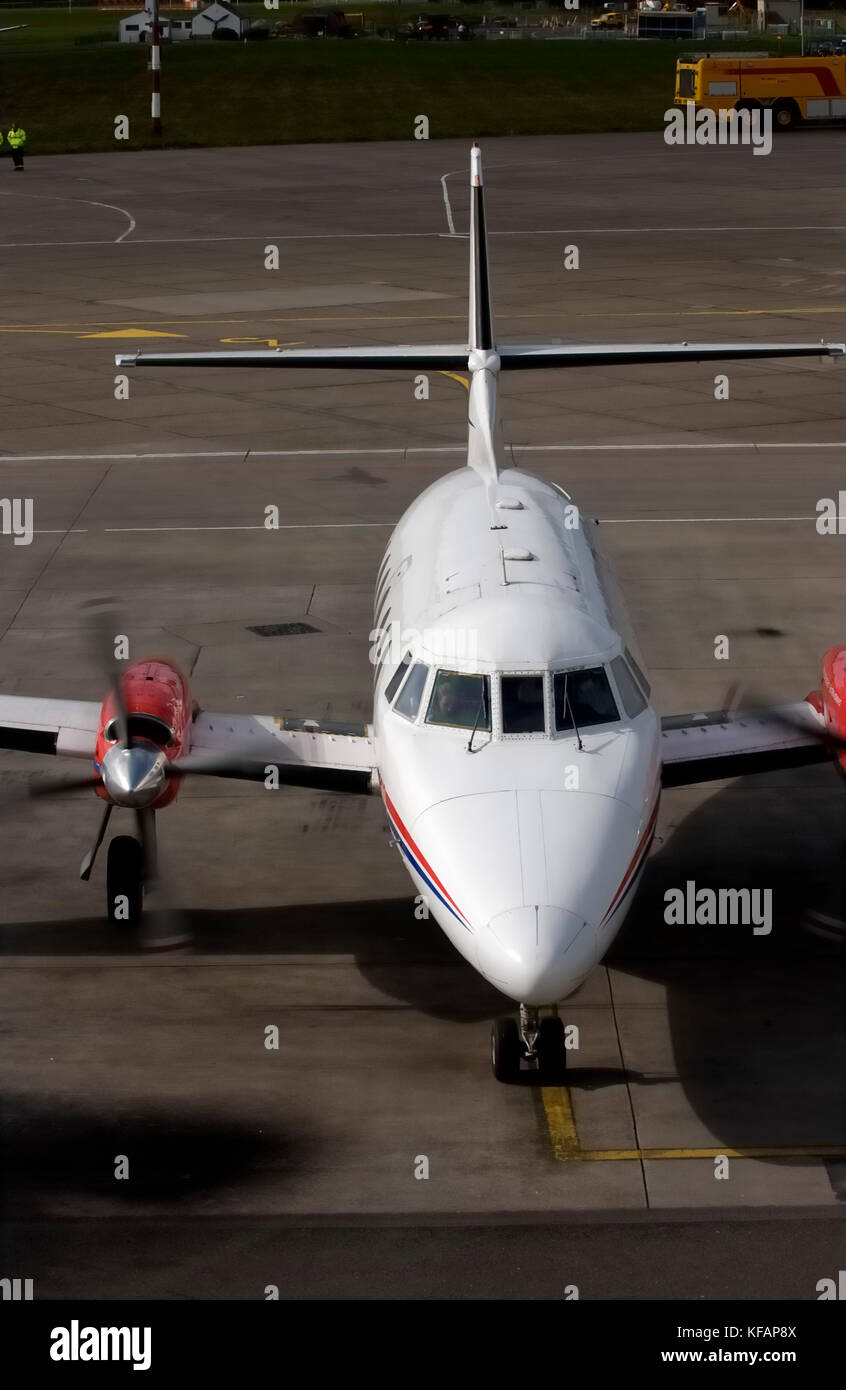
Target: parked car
column 432, row 26
column 831, row 48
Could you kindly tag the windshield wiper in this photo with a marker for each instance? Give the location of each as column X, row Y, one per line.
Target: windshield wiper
column 479, row 712
column 568, row 705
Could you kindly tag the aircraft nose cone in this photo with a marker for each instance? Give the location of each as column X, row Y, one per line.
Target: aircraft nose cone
column 134, row 777
column 537, row 955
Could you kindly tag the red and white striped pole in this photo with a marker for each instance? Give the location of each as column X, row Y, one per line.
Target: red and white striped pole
column 156, row 68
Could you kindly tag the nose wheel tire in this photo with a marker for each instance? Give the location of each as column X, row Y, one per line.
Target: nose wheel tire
column 505, row 1049
column 552, row 1053
column 125, row 881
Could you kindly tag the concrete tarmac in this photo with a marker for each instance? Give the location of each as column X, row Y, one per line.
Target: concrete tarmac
column 696, row 1044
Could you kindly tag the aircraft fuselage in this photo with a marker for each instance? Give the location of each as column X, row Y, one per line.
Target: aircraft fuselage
column 518, row 752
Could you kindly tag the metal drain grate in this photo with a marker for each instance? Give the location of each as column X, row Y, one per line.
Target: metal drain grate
column 282, row 629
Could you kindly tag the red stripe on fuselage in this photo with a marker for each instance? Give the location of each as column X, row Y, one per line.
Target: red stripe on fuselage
column 393, row 813
column 641, row 848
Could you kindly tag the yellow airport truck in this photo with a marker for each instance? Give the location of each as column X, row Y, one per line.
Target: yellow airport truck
column 797, row 89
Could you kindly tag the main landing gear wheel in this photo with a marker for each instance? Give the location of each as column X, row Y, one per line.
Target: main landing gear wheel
column 552, row 1053
column 505, row 1049
column 125, row 881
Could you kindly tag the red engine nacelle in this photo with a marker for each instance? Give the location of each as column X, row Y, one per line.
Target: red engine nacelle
column 159, row 711
column 830, row 699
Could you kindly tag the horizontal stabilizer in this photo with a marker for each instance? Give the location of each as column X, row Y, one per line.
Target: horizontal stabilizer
column 452, row 358
column 622, row 354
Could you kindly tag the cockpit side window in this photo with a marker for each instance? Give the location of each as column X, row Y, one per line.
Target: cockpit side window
column 638, row 674
column 460, row 701
column 584, row 696
column 397, row 678
column 523, row 710
column 633, row 701
column 408, row 700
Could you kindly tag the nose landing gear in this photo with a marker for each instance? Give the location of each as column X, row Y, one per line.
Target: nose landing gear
column 131, row 868
column 539, row 1042
column 505, row 1049
column 125, row 881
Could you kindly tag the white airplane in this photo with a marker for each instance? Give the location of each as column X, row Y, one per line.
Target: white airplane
column 9, row 27
column 513, row 740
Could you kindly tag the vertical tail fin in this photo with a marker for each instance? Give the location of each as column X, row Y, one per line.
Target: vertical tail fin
column 484, row 449
column 481, row 318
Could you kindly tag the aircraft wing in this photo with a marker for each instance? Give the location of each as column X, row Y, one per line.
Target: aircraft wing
column 722, row 743
column 64, row 727
column 325, row 755
column 9, row 27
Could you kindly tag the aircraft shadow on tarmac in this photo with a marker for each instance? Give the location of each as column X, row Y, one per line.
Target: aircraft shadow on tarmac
column 757, row 1023
column 55, row 1148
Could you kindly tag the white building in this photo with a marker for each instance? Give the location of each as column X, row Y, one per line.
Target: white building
column 137, row 28
column 218, row 16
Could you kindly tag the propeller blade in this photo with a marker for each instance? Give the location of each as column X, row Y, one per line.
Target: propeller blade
column 164, row 926
column 832, row 740
column 55, row 788
column 145, row 820
column 106, row 627
column 26, row 791
column 88, row 862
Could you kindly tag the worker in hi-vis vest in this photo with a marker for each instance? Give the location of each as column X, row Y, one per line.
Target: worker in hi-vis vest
column 17, row 140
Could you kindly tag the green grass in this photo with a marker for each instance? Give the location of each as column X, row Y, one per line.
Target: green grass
column 67, row 97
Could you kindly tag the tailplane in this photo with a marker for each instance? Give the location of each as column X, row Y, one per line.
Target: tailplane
column 480, row 355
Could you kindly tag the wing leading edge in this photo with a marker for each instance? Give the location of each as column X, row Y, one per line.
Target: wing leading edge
column 707, row 747
column 67, row 728
column 326, row 756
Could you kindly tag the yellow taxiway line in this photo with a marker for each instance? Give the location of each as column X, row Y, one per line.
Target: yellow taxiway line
column 566, row 1148
column 560, row 1122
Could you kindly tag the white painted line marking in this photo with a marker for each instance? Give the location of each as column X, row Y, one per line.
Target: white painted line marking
column 394, row 236
column 119, row 458
column 90, row 202
column 649, row 520
column 626, row 448
column 195, row 240
column 624, row 231
column 450, row 222
column 377, row 525
column 297, row 453
column 294, row 526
